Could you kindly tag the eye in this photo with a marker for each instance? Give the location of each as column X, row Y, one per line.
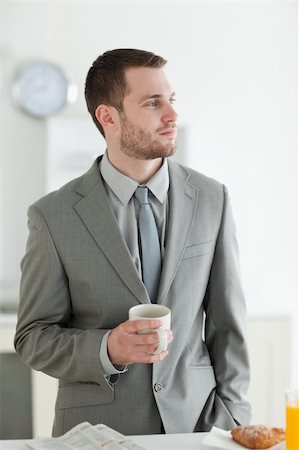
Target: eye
column 172, row 100
column 152, row 103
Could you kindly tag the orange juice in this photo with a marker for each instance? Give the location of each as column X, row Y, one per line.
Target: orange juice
column 292, row 421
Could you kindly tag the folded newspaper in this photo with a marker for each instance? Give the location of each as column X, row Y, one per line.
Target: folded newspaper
column 86, row 437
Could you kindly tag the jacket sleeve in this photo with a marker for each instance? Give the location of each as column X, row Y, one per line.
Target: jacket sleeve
column 43, row 338
column 225, row 328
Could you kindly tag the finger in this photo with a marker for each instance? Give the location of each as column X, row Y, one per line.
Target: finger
column 151, row 338
column 150, row 359
column 135, row 326
column 169, row 336
column 146, row 339
column 147, row 344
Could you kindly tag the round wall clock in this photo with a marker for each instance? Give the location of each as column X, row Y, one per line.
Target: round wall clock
column 42, row 89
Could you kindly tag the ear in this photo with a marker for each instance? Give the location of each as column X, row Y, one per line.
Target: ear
column 107, row 116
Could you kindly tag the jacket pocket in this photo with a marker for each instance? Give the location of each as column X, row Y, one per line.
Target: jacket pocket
column 202, row 366
column 73, row 395
column 197, row 250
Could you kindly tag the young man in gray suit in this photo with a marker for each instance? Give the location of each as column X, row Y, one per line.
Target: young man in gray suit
column 83, row 271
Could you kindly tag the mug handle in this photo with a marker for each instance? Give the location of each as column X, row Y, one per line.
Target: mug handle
column 162, row 340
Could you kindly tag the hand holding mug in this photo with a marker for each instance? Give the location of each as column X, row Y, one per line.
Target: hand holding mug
column 138, row 340
column 157, row 312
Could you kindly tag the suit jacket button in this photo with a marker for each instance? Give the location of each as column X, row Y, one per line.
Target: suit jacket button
column 158, row 387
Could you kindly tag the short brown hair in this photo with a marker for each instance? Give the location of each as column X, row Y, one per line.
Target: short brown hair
column 106, row 82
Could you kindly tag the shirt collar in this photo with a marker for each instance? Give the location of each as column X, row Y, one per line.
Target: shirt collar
column 124, row 187
column 159, row 183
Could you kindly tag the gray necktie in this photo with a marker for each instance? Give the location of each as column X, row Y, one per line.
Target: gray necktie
column 149, row 244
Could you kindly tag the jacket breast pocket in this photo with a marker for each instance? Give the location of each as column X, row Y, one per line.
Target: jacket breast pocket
column 198, row 249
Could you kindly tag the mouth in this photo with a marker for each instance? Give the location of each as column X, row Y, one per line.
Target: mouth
column 169, row 132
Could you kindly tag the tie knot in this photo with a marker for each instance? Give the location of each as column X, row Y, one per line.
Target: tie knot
column 141, row 194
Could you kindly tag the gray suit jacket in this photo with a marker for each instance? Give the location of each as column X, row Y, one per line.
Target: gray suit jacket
column 78, row 281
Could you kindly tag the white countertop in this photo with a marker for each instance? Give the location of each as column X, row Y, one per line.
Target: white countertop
column 182, row 441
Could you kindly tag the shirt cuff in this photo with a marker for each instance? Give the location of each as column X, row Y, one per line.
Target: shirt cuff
column 108, row 367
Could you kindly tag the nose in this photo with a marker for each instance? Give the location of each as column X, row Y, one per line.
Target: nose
column 170, row 114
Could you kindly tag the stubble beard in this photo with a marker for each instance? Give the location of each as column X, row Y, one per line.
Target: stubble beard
column 139, row 144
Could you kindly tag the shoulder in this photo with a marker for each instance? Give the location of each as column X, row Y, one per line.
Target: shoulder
column 68, row 195
column 198, row 180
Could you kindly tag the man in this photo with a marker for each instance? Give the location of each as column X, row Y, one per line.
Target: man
column 84, row 268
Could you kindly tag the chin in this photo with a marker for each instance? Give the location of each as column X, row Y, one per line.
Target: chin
column 160, row 153
column 170, row 151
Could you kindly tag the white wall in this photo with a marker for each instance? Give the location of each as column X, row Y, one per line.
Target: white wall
column 234, row 68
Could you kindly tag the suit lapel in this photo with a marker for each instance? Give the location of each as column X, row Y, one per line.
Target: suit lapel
column 182, row 200
column 98, row 218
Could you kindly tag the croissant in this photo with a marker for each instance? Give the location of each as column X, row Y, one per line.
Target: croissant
column 257, row 436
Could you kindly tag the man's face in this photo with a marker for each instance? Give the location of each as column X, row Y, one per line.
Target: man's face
column 148, row 122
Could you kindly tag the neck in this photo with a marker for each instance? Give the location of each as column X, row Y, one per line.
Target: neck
column 139, row 170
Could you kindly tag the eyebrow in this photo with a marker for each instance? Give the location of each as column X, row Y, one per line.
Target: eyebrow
column 157, row 96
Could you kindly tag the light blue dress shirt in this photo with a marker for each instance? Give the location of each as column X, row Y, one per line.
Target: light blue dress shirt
column 120, row 190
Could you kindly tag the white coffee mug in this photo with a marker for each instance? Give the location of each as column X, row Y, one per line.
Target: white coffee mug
column 149, row 312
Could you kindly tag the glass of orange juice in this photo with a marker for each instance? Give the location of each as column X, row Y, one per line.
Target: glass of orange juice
column 292, row 419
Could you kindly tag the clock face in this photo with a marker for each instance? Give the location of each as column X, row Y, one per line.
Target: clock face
column 42, row 89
